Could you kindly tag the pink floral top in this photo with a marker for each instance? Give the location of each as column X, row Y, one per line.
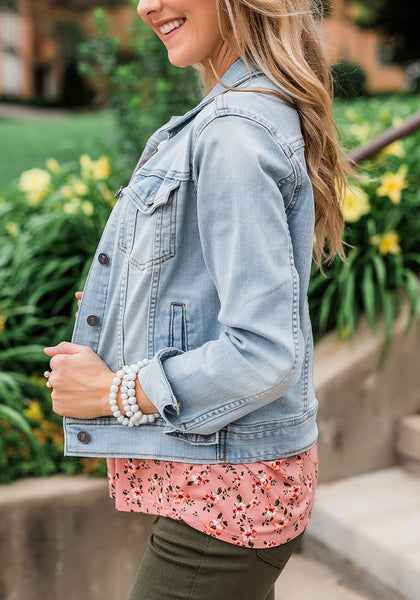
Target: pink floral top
column 256, row 505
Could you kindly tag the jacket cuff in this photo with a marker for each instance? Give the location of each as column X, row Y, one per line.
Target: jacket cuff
column 157, row 388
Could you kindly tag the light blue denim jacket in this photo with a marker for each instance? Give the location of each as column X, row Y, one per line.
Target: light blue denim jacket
column 203, row 267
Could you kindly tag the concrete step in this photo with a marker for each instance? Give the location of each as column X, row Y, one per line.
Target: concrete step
column 408, row 442
column 305, row 578
column 367, row 529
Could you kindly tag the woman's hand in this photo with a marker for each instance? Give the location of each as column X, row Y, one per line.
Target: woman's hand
column 81, row 381
column 78, row 296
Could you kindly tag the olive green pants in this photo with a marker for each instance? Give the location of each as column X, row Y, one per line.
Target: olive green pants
column 182, row 563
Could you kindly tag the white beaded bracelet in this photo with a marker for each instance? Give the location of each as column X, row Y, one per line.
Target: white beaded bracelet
column 126, row 378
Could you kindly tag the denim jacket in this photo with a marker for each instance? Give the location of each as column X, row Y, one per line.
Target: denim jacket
column 203, row 267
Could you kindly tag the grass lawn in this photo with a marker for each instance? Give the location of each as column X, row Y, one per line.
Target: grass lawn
column 28, row 143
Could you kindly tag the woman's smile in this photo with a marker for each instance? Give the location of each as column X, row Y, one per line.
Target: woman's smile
column 189, row 29
column 169, row 27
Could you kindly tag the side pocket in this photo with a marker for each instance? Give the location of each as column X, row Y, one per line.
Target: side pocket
column 279, row 555
column 178, row 326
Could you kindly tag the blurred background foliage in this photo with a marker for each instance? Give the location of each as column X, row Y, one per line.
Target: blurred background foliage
column 52, row 214
column 140, row 85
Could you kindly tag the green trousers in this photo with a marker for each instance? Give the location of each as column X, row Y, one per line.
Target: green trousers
column 182, row 563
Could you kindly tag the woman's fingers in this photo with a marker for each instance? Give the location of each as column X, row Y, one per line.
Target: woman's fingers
column 78, row 296
column 66, row 348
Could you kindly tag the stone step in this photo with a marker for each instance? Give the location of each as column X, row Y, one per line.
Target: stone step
column 367, row 529
column 408, row 442
column 305, row 578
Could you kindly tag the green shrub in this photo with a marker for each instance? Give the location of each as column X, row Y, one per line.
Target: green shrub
column 382, row 234
column 138, row 83
column 49, row 230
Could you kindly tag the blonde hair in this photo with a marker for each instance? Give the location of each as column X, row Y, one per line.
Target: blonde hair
column 283, row 38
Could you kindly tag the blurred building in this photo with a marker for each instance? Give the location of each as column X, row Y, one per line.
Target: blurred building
column 363, row 47
column 37, row 42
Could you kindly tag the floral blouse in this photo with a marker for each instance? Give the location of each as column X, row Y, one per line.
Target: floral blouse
column 256, row 505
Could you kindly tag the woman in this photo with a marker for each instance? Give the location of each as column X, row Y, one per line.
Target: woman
column 191, row 361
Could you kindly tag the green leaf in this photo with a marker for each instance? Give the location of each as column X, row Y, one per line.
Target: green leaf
column 413, row 293
column 13, row 416
column 368, row 295
column 325, row 307
column 389, row 314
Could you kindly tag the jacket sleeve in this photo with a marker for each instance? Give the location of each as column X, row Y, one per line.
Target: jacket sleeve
column 238, row 168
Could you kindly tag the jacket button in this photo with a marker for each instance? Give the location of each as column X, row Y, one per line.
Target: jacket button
column 103, row 258
column 83, row 437
column 93, row 320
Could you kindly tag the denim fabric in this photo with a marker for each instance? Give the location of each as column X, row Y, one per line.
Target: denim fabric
column 203, row 267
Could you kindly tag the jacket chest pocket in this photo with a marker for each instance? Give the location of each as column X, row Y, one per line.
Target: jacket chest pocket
column 147, row 232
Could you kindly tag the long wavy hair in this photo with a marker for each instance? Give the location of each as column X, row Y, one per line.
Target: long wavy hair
column 283, row 38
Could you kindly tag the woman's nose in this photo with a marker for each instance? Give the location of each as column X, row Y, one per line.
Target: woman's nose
column 146, row 7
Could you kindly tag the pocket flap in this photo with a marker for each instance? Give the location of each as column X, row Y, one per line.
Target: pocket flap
column 148, row 192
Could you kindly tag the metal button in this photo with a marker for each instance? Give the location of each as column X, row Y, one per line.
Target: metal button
column 119, row 192
column 83, row 437
column 103, row 258
column 93, row 320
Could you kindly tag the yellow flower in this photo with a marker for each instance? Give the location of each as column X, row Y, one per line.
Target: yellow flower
column 72, row 207
column 388, row 243
column 361, row 131
column 392, row 184
column 78, row 187
column 86, row 166
column 12, row 229
column 101, row 168
column 351, row 114
column 384, row 115
column 67, row 191
column 87, row 208
column 53, row 166
column 2, row 322
column 34, row 183
column 34, row 411
column 394, row 149
column 356, row 204
column 94, row 169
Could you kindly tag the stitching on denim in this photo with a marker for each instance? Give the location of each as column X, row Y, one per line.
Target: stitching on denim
column 152, row 309
column 123, row 297
column 306, row 372
column 288, row 148
column 164, row 214
column 183, row 333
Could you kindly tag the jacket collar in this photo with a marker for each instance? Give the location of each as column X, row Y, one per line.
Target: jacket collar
column 237, row 74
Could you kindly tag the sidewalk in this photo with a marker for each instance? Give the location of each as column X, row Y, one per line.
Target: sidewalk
column 24, row 112
column 306, row 579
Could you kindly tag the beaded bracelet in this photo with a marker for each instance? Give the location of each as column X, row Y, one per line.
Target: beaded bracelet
column 126, row 378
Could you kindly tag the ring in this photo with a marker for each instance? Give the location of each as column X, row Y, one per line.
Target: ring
column 47, row 374
column 48, row 384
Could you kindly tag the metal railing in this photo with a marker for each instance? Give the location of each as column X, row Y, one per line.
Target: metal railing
column 410, row 125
